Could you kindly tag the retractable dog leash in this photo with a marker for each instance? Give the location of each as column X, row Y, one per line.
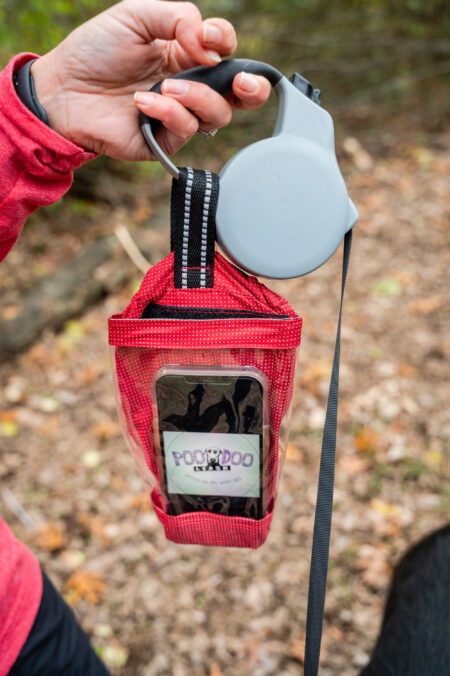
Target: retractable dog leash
column 283, row 207
column 279, row 209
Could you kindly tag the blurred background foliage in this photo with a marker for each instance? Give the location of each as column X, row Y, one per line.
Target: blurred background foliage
column 382, row 65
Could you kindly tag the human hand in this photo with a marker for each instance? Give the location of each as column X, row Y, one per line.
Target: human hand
column 87, row 83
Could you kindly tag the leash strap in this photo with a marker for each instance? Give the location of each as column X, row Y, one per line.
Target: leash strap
column 324, row 503
column 192, row 227
column 193, row 209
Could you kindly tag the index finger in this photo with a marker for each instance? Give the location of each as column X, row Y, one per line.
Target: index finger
column 180, row 21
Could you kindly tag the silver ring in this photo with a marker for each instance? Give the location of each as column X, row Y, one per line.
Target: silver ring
column 208, row 134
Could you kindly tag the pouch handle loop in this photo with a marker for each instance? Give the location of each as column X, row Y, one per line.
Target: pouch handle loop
column 193, row 227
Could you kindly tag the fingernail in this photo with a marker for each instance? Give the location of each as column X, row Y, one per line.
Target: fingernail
column 174, row 87
column 211, row 33
column 248, row 83
column 144, row 98
column 214, row 55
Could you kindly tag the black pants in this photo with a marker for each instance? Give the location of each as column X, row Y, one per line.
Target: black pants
column 56, row 644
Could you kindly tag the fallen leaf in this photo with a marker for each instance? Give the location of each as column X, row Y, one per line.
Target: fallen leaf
column 316, row 418
column 73, row 558
column 90, row 373
column 10, row 312
column 424, row 306
column 8, row 428
column 49, row 426
column 15, row 391
column 115, row 655
column 375, row 569
column 84, row 584
column 47, row 404
column 215, row 670
column 404, row 277
column 293, row 453
column 141, row 502
column 36, row 354
column 366, row 440
column 433, row 457
column 50, row 537
column 94, row 525
column 336, row 633
column 373, row 200
column 406, row 370
column 423, row 156
column 105, row 429
column 92, row 323
column 353, row 464
column 386, row 509
column 102, row 630
column 297, row 649
column 142, row 213
column 119, row 483
column 39, row 269
column 390, row 518
column 42, row 356
column 91, row 458
column 73, row 334
column 375, row 352
column 388, row 529
column 387, row 287
column 74, row 327
column 396, row 448
column 9, row 463
column 8, row 416
column 313, row 374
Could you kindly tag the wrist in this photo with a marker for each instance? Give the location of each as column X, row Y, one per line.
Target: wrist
column 56, row 92
column 47, row 85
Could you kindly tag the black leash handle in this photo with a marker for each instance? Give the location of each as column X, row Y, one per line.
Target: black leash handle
column 324, row 503
column 220, row 78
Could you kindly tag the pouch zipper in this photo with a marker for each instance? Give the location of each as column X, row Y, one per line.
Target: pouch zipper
column 157, row 311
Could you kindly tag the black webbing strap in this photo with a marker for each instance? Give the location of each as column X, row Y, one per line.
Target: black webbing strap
column 193, row 227
column 324, row 503
column 193, row 209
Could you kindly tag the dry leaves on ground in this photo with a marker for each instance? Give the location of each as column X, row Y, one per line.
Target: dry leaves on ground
column 84, row 585
column 50, row 537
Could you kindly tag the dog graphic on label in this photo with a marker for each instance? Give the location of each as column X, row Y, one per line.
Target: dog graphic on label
column 213, row 456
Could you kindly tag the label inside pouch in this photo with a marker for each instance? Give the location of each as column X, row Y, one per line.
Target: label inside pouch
column 202, row 463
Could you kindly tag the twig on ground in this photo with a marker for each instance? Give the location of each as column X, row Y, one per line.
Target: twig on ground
column 123, row 235
column 17, row 509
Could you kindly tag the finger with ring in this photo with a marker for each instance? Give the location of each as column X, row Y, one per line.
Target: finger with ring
column 207, row 134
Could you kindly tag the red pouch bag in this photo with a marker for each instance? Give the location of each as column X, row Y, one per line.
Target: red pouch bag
column 204, row 359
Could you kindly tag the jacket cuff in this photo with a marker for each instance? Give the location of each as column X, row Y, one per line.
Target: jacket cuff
column 34, row 139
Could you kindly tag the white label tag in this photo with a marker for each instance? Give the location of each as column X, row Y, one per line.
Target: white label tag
column 203, row 463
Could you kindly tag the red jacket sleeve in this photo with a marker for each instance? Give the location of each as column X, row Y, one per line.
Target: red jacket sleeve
column 36, row 163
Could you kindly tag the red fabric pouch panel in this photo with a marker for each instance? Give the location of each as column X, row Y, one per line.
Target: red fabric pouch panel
column 238, row 323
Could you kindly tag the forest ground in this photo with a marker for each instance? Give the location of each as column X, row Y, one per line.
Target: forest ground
column 154, row 608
